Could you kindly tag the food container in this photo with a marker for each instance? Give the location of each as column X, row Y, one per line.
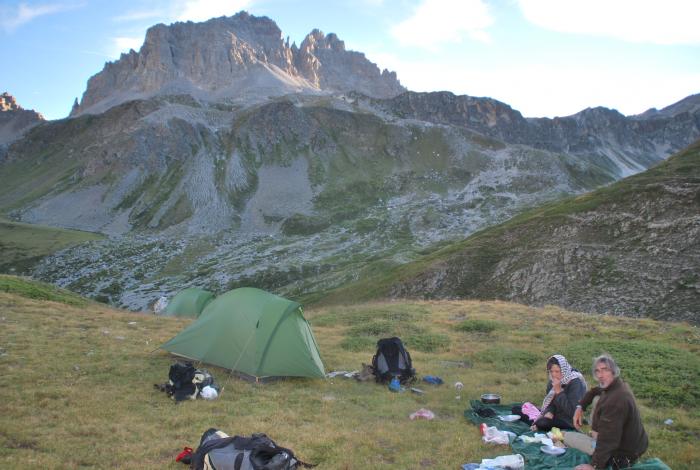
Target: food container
column 491, row 398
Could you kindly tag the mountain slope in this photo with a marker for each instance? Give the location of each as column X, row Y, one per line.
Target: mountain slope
column 219, row 155
column 632, row 248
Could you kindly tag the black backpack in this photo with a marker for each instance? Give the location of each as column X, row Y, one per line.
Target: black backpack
column 257, row 452
column 392, row 360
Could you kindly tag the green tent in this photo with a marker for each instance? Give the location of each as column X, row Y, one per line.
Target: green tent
column 252, row 332
column 188, row 303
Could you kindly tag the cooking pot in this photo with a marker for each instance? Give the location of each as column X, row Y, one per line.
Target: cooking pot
column 491, row 398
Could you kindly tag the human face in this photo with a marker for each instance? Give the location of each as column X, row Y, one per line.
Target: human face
column 555, row 372
column 603, row 374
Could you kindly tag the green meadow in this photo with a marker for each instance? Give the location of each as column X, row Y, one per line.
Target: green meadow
column 78, row 382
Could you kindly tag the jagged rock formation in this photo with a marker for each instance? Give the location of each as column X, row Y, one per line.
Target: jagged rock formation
column 240, row 58
column 629, row 249
column 15, row 120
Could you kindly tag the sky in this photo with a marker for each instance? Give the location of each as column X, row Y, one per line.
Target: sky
column 544, row 58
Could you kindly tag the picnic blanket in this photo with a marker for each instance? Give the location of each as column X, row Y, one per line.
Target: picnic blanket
column 473, row 415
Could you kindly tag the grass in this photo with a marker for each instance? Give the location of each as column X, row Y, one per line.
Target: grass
column 78, row 392
column 39, row 291
column 23, row 245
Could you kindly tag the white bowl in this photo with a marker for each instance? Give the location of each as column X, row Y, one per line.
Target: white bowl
column 509, row 418
column 552, row 450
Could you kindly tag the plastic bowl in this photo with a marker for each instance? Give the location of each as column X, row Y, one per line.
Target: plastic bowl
column 491, row 398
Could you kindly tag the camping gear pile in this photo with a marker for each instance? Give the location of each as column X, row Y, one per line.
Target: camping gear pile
column 187, row 383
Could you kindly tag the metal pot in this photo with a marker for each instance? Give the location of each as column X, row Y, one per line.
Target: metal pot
column 491, row 398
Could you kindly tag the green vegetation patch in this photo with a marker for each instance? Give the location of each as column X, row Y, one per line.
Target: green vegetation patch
column 349, row 316
column 508, row 359
column 39, row 291
column 428, row 342
column 300, row 224
column 23, row 245
column 358, row 343
column 477, row 326
column 663, row 374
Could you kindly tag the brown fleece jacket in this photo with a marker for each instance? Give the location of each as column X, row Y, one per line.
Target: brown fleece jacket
column 618, row 423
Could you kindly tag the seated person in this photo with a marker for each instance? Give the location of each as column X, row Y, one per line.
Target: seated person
column 620, row 438
column 566, row 386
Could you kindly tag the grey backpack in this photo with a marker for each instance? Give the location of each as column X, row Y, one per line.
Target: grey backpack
column 218, row 451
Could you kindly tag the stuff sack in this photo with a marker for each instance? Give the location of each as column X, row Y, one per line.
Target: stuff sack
column 218, row 451
column 392, row 360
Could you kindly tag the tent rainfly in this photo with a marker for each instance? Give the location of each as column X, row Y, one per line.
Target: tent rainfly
column 189, row 302
column 252, row 332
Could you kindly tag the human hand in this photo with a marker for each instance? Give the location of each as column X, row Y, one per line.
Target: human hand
column 549, row 415
column 584, row 466
column 578, row 418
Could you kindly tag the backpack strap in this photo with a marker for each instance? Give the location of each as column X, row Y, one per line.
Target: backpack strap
column 239, row 461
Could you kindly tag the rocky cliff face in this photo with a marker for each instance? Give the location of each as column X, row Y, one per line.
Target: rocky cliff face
column 240, row 58
column 629, row 249
column 14, row 120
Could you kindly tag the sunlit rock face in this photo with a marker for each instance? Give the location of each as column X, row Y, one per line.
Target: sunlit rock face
column 240, row 58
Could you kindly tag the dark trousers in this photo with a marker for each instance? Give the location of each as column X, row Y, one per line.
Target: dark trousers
column 546, row 424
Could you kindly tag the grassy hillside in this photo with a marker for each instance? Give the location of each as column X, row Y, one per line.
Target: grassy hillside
column 23, row 245
column 78, row 384
column 605, row 244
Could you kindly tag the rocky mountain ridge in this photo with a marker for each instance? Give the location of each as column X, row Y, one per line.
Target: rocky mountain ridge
column 14, row 120
column 620, row 144
column 242, row 59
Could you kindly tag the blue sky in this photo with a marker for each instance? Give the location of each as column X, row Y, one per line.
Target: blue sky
column 542, row 57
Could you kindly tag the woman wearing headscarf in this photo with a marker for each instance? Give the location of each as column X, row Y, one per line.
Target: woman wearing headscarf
column 566, row 386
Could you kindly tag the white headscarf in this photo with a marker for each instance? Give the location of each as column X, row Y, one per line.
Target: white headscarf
column 567, row 375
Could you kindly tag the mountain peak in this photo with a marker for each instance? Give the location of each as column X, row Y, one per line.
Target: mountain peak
column 9, row 103
column 242, row 57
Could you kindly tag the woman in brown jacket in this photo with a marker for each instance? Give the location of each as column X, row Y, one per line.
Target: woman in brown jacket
column 620, row 438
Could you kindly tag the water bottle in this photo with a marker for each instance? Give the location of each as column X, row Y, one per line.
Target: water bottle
column 395, row 385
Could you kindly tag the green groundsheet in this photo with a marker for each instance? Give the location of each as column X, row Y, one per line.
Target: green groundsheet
column 535, row 459
column 516, row 427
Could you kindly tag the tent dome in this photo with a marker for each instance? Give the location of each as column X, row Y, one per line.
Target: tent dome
column 188, row 303
column 253, row 332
